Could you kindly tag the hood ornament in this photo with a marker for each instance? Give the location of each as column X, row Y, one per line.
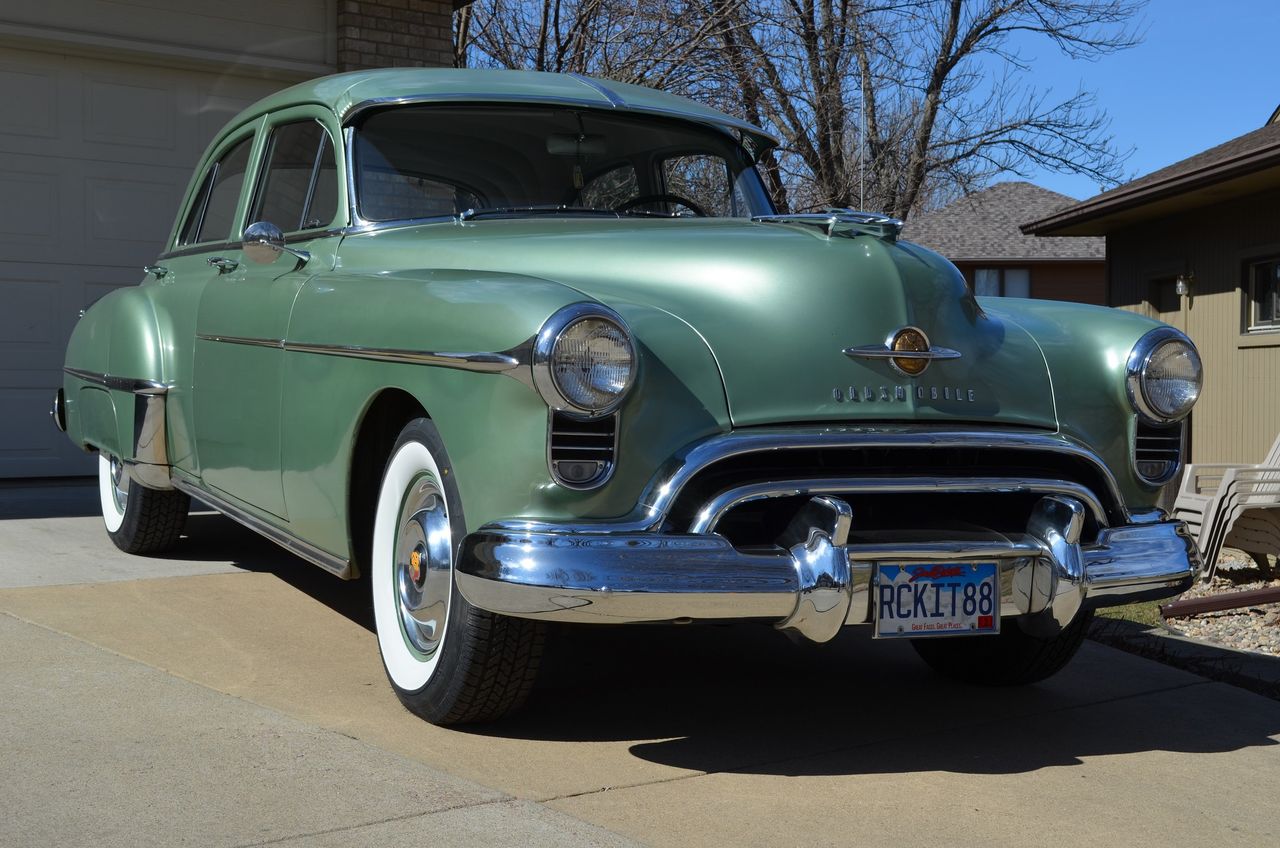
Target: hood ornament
column 908, row 351
column 848, row 223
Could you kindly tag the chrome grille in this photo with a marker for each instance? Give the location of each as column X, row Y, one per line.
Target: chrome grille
column 581, row 451
column 1157, row 451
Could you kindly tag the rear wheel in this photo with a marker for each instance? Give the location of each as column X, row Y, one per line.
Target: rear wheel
column 448, row 661
column 139, row 520
column 1012, row 658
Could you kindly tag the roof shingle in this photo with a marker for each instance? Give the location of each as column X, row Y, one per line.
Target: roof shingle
column 985, row 227
column 1250, row 152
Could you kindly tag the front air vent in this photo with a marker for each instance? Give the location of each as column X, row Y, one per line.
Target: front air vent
column 1157, row 451
column 581, row 451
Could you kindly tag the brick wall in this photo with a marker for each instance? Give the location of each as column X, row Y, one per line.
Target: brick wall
column 394, row 33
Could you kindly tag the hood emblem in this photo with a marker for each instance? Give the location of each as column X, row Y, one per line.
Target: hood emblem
column 908, row 351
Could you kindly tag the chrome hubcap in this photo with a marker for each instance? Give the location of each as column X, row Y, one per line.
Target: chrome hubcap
column 119, row 485
column 424, row 566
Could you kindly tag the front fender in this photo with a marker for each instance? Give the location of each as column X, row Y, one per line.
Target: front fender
column 494, row 425
column 1087, row 348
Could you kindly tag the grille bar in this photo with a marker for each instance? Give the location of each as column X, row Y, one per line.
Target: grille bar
column 581, row 452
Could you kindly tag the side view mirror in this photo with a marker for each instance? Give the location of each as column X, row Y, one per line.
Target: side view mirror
column 263, row 243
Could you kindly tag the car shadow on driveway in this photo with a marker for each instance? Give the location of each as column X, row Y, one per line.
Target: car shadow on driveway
column 212, row 536
column 744, row 698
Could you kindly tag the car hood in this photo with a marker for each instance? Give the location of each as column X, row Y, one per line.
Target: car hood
column 778, row 304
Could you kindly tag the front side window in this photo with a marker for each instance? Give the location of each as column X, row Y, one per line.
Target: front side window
column 211, row 214
column 298, row 189
column 1002, row 282
column 1264, row 295
column 706, row 180
column 436, row 161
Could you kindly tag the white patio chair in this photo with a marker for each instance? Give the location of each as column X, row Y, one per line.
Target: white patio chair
column 1233, row 505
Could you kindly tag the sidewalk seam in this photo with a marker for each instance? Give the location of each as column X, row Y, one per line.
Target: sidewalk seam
column 423, row 814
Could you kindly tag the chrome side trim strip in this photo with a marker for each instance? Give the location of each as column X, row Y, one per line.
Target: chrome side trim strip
column 488, row 363
column 242, row 340
column 119, row 384
column 658, row 497
column 710, row 515
column 334, row 564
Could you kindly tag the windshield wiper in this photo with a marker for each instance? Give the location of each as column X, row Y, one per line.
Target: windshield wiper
column 546, row 209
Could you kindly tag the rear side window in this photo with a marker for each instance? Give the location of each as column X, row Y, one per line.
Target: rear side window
column 215, row 206
column 298, row 189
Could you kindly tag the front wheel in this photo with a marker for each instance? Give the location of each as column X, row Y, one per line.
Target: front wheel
column 1014, row 657
column 448, row 661
column 139, row 520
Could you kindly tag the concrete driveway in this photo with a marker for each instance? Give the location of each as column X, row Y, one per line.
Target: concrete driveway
column 233, row 695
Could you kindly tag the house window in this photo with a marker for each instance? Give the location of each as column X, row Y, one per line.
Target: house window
column 1264, row 295
column 1002, row 282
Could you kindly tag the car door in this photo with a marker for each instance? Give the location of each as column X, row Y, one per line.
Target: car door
column 244, row 311
column 184, row 271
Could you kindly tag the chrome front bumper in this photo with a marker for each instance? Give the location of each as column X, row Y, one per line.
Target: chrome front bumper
column 816, row 581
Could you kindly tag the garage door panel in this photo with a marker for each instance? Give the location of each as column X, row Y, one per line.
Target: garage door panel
column 30, row 446
column 31, row 96
column 121, row 111
column 30, row 323
column 31, row 216
column 129, row 218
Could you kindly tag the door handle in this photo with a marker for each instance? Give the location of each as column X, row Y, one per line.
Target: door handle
column 224, row 266
column 158, row 270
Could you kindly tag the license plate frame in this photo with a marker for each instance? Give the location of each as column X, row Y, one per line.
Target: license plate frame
column 900, row 590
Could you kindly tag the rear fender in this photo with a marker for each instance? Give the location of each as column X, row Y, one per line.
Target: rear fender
column 114, row 384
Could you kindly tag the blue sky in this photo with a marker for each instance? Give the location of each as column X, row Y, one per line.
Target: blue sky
column 1204, row 73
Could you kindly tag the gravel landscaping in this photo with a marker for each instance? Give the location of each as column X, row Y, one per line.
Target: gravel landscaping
column 1252, row 628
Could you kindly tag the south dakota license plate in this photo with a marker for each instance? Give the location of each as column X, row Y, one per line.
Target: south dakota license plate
column 937, row 599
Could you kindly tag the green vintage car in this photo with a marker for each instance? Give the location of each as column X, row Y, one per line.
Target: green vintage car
column 523, row 348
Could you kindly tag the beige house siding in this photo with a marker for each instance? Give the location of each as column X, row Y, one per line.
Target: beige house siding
column 1238, row 415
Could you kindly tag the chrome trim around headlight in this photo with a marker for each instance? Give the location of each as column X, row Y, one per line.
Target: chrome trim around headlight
column 1136, row 367
column 544, row 346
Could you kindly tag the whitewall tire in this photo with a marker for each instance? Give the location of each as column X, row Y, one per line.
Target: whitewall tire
column 447, row 661
column 138, row 520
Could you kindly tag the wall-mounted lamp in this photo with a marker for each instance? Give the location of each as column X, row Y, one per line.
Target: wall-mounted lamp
column 1183, row 284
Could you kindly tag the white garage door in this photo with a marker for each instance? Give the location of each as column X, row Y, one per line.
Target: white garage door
column 94, row 155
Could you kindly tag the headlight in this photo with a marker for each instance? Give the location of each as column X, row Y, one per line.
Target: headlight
column 584, row 360
column 1164, row 375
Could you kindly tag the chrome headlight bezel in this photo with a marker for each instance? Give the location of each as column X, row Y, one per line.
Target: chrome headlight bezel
column 1136, row 374
column 544, row 348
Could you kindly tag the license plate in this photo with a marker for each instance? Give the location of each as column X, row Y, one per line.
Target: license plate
column 937, row 599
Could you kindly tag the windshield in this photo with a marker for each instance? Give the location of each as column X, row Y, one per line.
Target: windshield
column 435, row 161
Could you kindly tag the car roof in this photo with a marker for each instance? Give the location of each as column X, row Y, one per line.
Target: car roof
column 348, row 94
